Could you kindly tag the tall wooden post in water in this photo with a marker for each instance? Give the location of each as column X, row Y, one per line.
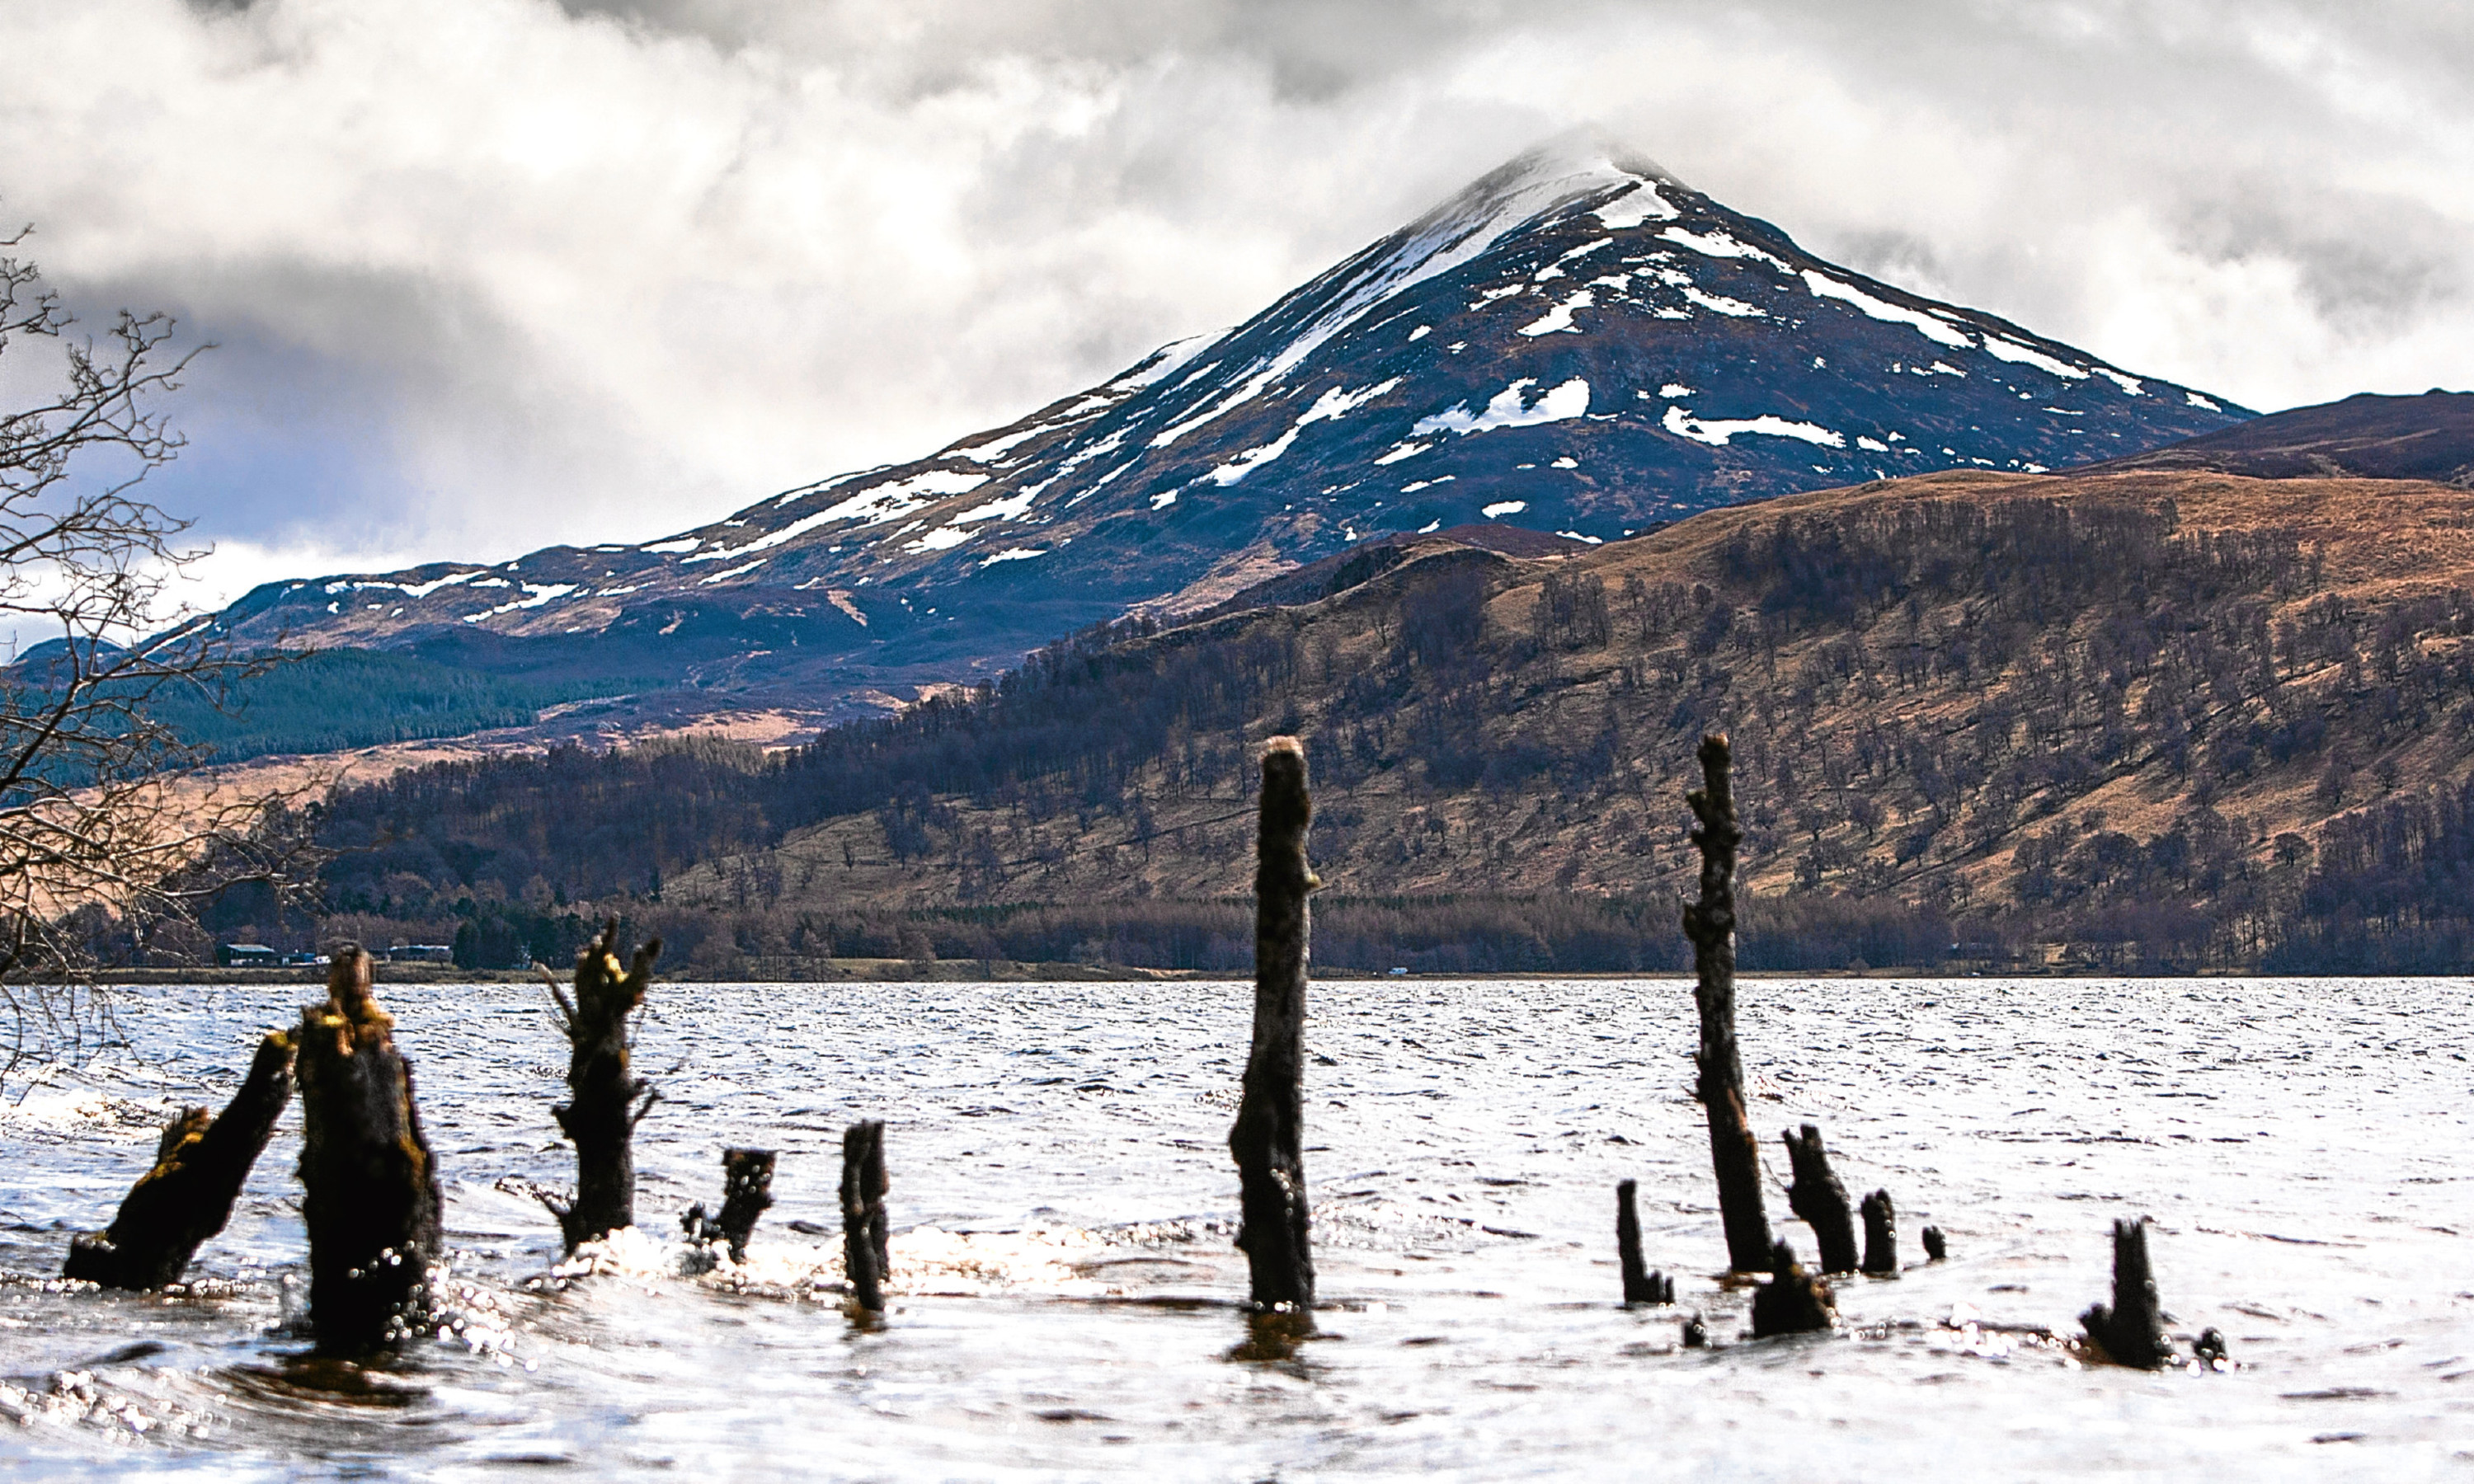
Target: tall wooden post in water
column 1710, row 923
column 1270, row 1115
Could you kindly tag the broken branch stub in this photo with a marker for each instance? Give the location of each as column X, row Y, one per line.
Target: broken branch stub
column 199, row 1170
column 1734, row 1154
column 1880, row 1235
column 370, row 1198
column 866, row 1257
column 1268, row 1135
column 2130, row 1331
column 1793, row 1302
column 605, row 1099
column 1820, row 1201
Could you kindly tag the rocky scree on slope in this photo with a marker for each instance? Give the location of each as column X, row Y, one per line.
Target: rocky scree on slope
column 1578, row 344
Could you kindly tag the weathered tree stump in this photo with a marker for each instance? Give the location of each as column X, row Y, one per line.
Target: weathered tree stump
column 1793, row 1302
column 370, row 1198
column 1734, row 1155
column 1641, row 1284
column 746, row 1191
column 1270, row 1115
column 1819, row 1201
column 2130, row 1331
column 866, row 1256
column 605, row 1099
column 1936, row 1245
column 1880, row 1235
column 198, row 1169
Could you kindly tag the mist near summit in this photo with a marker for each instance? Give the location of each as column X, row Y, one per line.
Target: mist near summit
column 484, row 274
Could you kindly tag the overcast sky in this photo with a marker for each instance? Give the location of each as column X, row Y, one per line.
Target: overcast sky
column 485, row 275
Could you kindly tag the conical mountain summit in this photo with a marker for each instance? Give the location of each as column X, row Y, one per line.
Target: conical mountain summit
column 1577, row 343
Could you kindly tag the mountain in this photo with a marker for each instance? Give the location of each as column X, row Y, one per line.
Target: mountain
column 1578, row 344
column 2366, row 436
column 2150, row 719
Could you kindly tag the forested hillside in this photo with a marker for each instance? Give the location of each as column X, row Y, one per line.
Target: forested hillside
column 2135, row 719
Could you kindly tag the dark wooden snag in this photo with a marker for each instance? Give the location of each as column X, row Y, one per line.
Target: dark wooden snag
column 1642, row 1284
column 1734, row 1154
column 1820, row 1201
column 866, row 1257
column 2130, row 1331
column 1936, row 1245
column 1880, row 1235
column 370, row 1198
column 746, row 1191
column 605, row 1099
column 198, row 1169
column 1268, row 1135
column 1793, row 1302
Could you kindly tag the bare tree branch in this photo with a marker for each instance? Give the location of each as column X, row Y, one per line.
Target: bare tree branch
column 109, row 836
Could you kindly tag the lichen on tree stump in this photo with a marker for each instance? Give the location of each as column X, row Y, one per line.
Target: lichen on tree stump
column 370, row 1185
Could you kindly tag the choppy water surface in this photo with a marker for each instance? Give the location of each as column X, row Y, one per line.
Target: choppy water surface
column 1062, row 1199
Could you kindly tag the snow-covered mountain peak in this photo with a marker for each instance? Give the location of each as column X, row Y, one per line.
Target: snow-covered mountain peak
column 1577, row 342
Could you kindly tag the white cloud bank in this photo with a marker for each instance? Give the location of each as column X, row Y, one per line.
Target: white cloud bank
column 492, row 272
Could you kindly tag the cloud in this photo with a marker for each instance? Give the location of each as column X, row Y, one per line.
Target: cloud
column 488, row 274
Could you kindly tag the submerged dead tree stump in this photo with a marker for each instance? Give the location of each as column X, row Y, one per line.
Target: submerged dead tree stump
column 1734, row 1154
column 198, row 1169
column 746, row 1193
column 1793, row 1302
column 1269, row 1132
column 1880, row 1235
column 605, row 1099
column 370, row 1198
column 1641, row 1284
column 1819, row 1201
column 866, row 1254
column 2130, row 1331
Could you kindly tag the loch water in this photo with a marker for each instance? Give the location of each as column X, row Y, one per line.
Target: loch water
column 1063, row 1303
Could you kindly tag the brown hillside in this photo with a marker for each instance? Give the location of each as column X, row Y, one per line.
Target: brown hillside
column 2093, row 699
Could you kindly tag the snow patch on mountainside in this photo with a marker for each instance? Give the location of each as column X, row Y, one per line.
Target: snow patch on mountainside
column 1822, row 286
column 877, row 504
column 1717, row 431
column 1642, row 204
column 1507, row 410
column 2000, row 348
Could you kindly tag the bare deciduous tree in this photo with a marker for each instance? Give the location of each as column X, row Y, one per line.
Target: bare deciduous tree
column 107, row 833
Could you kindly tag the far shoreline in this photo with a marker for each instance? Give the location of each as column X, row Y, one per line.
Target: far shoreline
column 822, row 971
